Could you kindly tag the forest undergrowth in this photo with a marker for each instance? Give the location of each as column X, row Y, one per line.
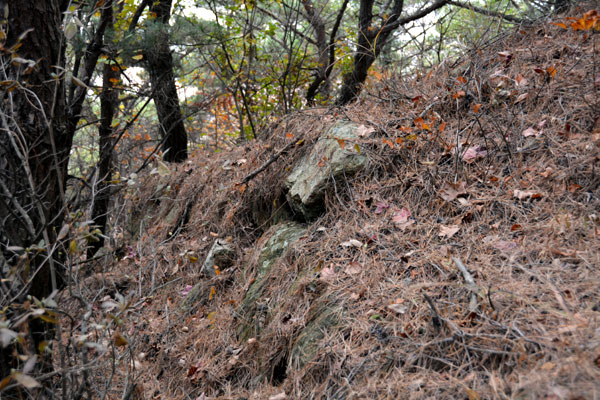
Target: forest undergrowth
column 461, row 263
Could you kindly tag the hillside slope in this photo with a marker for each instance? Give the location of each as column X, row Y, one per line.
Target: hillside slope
column 459, row 260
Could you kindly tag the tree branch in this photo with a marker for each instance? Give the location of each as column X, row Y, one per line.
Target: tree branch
column 484, row 11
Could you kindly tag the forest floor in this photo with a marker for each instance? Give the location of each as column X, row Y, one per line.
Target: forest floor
column 464, row 261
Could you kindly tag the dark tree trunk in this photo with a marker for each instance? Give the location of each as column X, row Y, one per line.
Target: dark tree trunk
column 160, row 68
column 34, row 153
column 108, row 103
column 321, row 81
column 369, row 44
column 371, row 40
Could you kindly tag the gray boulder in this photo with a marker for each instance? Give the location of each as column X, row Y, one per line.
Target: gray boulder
column 327, row 161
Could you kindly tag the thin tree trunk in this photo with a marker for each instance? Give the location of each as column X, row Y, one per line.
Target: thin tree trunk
column 108, row 103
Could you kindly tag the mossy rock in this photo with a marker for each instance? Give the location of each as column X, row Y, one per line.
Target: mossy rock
column 328, row 160
column 308, row 343
column 282, row 236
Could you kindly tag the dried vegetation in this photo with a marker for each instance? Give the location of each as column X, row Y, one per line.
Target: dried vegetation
column 462, row 263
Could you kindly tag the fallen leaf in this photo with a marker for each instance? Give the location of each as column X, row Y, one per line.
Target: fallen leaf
column 25, row 380
column 351, row 242
column 473, row 153
column 548, row 366
column 521, row 80
column 381, row 206
column 341, row 142
column 451, row 191
column 401, row 218
column 353, row 268
column 442, row 126
column 363, row 131
column 328, row 274
column 280, row 396
column 504, row 245
column 186, row 290
column 448, row 231
column 526, row 194
column 521, row 97
column 547, row 172
column 473, row 395
column 476, row 108
column 459, row 94
column 213, row 292
column 398, row 308
column 531, row 132
column 120, row 340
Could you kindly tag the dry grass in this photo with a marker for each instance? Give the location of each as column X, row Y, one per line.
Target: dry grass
column 409, row 325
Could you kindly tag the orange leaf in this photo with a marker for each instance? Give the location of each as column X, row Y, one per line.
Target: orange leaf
column 560, row 24
column 551, row 71
column 341, row 142
column 476, row 108
column 442, row 126
column 212, row 294
column 388, row 142
column 461, row 79
column 459, row 94
column 289, row 135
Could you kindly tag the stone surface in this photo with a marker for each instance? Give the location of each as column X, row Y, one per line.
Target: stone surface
column 314, row 174
column 221, row 254
column 308, row 343
column 253, row 311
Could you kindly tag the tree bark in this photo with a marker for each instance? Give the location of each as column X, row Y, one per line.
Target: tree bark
column 321, row 79
column 372, row 39
column 108, row 102
column 159, row 63
column 34, row 154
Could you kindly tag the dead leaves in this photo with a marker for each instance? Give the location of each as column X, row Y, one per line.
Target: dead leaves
column 526, row 194
column 401, row 218
column 448, row 231
column 450, row 191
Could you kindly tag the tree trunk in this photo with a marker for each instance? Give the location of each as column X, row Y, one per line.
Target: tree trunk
column 34, row 154
column 321, row 79
column 159, row 62
column 108, row 103
column 371, row 40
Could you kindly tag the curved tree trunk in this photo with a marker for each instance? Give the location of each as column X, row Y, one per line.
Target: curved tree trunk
column 159, row 62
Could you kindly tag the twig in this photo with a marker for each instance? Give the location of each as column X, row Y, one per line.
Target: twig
column 470, row 283
column 437, row 320
column 254, row 173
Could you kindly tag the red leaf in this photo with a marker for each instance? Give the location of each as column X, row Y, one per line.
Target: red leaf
column 381, row 206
